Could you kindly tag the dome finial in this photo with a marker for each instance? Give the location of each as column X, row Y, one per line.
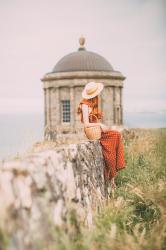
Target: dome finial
column 82, row 42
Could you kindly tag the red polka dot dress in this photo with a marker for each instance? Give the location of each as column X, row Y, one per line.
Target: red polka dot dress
column 111, row 142
column 113, row 152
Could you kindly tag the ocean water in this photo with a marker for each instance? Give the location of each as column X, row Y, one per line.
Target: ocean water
column 145, row 119
column 18, row 132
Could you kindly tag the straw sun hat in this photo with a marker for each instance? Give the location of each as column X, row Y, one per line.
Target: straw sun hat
column 92, row 89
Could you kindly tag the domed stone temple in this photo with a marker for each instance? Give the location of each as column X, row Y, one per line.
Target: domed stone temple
column 64, row 84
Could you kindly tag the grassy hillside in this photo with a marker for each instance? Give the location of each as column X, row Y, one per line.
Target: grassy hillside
column 135, row 216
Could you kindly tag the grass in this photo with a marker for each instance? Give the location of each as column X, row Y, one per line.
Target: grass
column 136, row 217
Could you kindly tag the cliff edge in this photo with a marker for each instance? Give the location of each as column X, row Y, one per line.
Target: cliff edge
column 45, row 186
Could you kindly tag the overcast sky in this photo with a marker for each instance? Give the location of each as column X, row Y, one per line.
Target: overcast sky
column 35, row 34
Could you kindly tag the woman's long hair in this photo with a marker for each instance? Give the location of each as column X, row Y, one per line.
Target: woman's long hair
column 93, row 103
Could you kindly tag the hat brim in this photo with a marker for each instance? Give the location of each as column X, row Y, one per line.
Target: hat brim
column 99, row 89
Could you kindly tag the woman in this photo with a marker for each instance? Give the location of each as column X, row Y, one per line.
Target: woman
column 112, row 147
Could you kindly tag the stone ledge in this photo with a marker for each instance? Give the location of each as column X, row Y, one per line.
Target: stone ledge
column 45, row 185
column 84, row 75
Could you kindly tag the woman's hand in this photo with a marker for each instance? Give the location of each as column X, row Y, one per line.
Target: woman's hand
column 91, row 124
column 104, row 127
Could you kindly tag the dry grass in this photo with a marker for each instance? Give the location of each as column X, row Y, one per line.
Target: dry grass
column 135, row 218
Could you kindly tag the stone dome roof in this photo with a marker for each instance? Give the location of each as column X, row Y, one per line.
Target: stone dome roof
column 82, row 60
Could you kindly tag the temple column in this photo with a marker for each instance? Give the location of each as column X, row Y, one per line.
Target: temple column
column 49, row 100
column 72, row 110
column 117, row 106
column 53, row 108
column 114, row 106
column 57, row 104
column 121, row 104
column 45, row 108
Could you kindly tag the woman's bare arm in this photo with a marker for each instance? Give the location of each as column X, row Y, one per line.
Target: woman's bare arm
column 104, row 127
column 86, row 117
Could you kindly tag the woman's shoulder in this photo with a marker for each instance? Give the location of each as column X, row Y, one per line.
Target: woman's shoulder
column 80, row 106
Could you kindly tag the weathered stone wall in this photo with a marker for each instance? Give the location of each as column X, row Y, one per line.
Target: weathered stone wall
column 40, row 190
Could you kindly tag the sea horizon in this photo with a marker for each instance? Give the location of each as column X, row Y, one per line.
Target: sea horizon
column 18, row 132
